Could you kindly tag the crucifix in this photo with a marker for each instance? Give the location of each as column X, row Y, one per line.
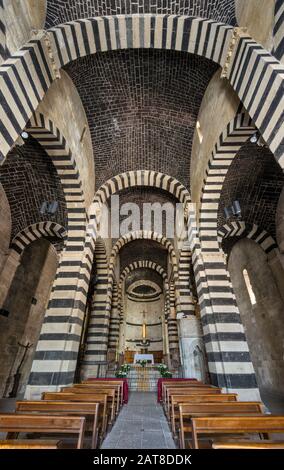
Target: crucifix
column 144, row 326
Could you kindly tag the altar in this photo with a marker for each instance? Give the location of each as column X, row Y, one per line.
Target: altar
column 143, row 357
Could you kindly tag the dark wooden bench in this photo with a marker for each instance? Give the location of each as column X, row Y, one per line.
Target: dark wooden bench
column 105, row 412
column 30, row 444
column 264, row 444
column 106, row 382
column 188, row 392
column 175, row 400
column 96, row 388
column 187, row 411
column 214, row 425
column 166, row 385
column 12, row 423
column 110, row 392
column 88, row 410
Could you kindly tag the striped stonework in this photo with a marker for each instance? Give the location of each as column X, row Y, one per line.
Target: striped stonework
column 186, row 300
column 172, row 332
column 26, row 76
column 172, row 321
column 36, row 231
column 113, row 337
column 257, row 78
column 278, row 31
column 3, row 50
column 199, row 36
column 138, row 178
column 147, row 265
column 96, row 335
column 56, row 354
column 240, row 229
column 227, row 350
column 100, row 349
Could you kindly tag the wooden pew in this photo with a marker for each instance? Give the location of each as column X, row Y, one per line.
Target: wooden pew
column 105, row 382
column 110, row 392
column 188, row 392
column 43, row 424
column 105, row 412
column 97, row 388
column 102, row 385
column 175, row 400
column 88, row 410
column 213, row 425
column 264, row 444
column 184, row 389
column 187, row 411
column 166, row 385
column 30, row 444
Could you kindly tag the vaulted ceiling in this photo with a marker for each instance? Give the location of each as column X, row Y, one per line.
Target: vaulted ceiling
column 142, row 107
column 256, row 180
column 29, row 178
column 60, row 11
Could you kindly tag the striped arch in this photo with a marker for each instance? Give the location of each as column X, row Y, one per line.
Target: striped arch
column 98, row 308
column 142, row 178
column 239, row 228
column 114, row 325
column 170, row 297
column 228, row 354
column 131, row 179
column 186, row 300
column 101, row 346
column 24, row 87
column 230, row 141
column 278, row 31
column 148, row 265
column 3, row 49
column 56, row 354
column 55, row 145
column 34, row 232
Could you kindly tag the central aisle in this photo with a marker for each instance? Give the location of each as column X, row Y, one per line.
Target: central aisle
column 141, row 424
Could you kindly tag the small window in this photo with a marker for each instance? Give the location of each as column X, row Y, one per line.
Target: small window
column 249, row 287
column 198, row 128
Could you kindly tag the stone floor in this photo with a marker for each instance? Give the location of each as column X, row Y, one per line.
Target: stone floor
column 141, row 424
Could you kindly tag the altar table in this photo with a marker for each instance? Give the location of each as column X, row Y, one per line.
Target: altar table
column 143, row 357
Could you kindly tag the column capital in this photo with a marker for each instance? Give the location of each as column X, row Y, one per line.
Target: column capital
column 46, row 37
column 237, row 33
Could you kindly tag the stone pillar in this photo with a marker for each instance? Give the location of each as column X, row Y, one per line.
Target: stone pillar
column 191, row 342
column 229, row 361
column 7, row 275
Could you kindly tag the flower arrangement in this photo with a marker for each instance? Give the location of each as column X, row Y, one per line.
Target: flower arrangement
column 123, row 371
column 142, row 363
column 164, row 371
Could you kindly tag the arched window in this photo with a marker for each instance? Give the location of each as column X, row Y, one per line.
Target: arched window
column 249, row 287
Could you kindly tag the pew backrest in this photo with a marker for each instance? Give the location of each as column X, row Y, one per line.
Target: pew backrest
column 265, row 424
column 43, row 424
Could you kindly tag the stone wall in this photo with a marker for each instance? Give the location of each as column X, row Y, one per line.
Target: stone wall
column 59, row 11
column 5, row 226
column 63, row 106
column 29, row 178
column 263, row 322
column 218, row 108
column 153, row 318
column 33, row 279
column 258, row 17
column 20, row 18
column 142, row 107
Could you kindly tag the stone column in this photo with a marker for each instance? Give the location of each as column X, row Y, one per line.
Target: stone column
column 191, row 342
column 7, row 275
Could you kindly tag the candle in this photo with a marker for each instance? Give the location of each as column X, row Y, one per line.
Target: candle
column 144, row 331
